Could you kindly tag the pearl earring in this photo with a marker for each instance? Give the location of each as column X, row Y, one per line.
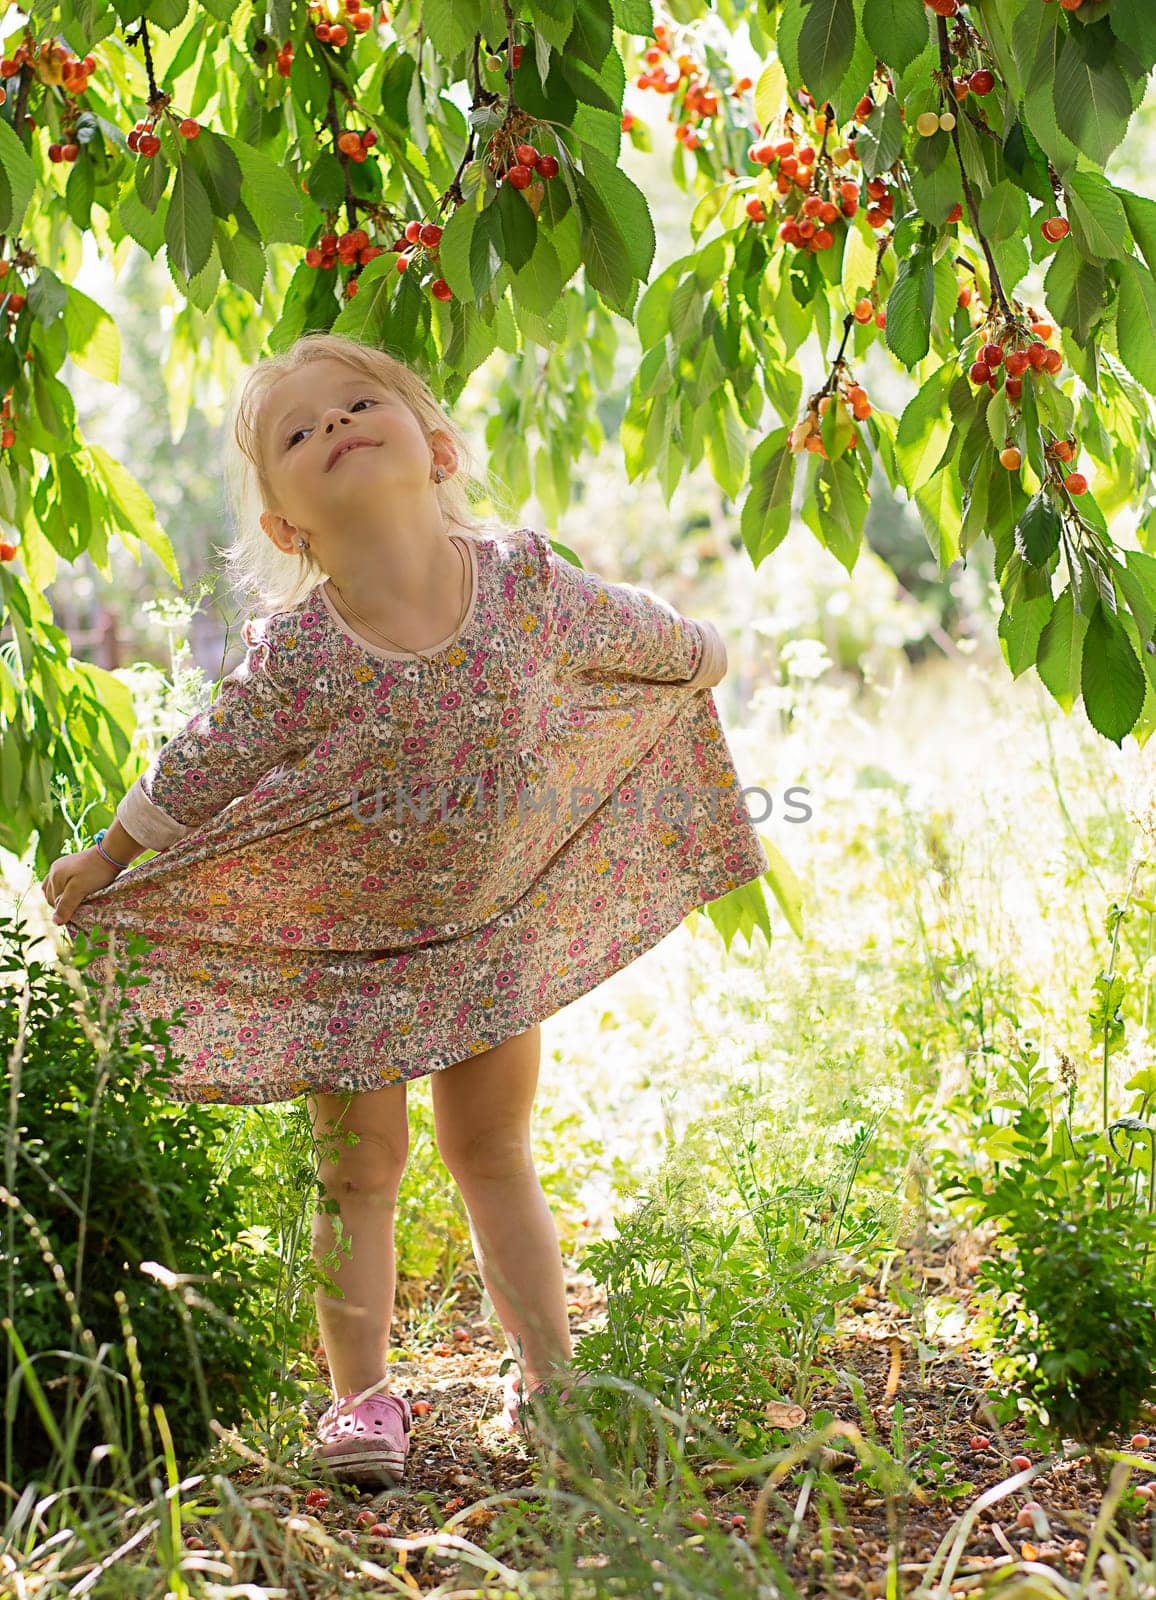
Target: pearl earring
column 439, row 474
column 301, row 545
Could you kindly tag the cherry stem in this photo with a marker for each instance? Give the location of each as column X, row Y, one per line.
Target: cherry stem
column 838, row 363
column 141, row 37
column 968, row 192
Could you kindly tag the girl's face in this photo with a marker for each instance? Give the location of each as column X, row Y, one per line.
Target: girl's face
column 305, row 417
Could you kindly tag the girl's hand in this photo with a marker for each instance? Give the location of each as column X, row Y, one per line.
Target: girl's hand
column 73, row 878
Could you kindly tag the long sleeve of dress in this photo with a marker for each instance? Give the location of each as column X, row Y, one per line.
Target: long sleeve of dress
column 619, row 630
column 252, row 726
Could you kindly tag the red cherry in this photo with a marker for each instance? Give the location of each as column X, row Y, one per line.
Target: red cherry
column 55, row 152
column 754, row 210
column 547, row 165
column 992, row 354
column 413, row 231
column 981, row 82
column 1013, row 388
column 979, row 372
column 1016, row 363
column 430, row 234
column 956, row 213
column 189, row 127
column 1076, row 483
column 520, row 176
column 7, row 551
column 441, row 290
column 1037, row 353
column 526, row 154
column 71, row 152
column 420, row 1408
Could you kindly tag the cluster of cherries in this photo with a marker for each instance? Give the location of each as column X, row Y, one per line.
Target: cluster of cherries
column 519, row 173
column 807, row 433
column 357, row 16
column 356, row 145
column 144, row 142
column 1062, row 450
column 53, row 63
column 995, row 357
column 700, row 102
column 1016, row 359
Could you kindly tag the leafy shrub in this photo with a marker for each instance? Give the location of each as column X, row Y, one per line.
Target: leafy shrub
column 725, row 1277
column 1066, row 1299
column 101, row 1176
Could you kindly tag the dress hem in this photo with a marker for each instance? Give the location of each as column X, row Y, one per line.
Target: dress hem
column 584, row 982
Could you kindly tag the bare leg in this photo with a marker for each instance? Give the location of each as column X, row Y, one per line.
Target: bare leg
column 482, row 1109
column 364, row 1178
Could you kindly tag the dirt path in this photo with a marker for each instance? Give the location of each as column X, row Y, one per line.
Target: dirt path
column 460, row 1454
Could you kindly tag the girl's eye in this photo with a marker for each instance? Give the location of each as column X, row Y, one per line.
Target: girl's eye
column 293, row 435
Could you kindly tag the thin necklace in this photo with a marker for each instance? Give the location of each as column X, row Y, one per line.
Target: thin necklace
column 418, row 655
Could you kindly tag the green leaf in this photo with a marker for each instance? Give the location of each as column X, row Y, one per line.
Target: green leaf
column 1074, row 291
column 909, row 306
column 1019, row 630
column 189, row 223
column 941, row 512
column 1134, row 24
column 896, row 30
column 766, row 513
column 1037, row 532
column 625, row 201
column 937, row 191
column 1036, row 38
column 1136, row 322
column 836, row 509
column 770, row 92
column 924, row 428
column 1003, row 211
column 1099, row 226
column 859, row 257
column 1112, row 679
column 93, row 336
column 1141, row 214
column 606, row 254
column 17, row 177
column 826, row 45
column 1061, row 649
column 880, row 138
column 785, row 886
column 1091, row 97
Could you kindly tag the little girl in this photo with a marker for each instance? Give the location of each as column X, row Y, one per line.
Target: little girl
column 455, row 783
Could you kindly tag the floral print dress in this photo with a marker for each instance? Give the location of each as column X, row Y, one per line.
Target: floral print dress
column 370, row 867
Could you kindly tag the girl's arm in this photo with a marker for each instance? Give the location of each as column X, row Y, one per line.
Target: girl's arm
column 621, row 630
column 252, row 726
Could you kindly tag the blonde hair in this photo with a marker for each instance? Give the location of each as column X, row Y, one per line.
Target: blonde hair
column 256, row 568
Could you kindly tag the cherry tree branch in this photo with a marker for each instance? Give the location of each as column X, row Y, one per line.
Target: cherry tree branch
column 997, row 288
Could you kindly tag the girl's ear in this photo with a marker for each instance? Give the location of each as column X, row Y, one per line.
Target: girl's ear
column 277, row 530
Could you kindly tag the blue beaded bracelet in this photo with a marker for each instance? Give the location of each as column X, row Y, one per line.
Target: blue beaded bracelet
column 97, row 841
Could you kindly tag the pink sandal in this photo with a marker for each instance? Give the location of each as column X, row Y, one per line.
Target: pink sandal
column 367, row 1442
column 518, row 1411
